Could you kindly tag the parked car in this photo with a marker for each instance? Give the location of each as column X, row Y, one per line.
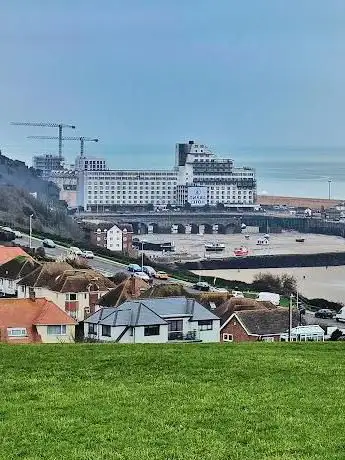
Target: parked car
column 238, row 294
column 149, row 270
column 202, row 286
column 18, row 234
column 324, row 313
column 87, row 254
column 142, row 275
column 218, row 289
column 47, row 243
column 133, row 268
column 75, row 251
column 161, row 275
column 7, row 229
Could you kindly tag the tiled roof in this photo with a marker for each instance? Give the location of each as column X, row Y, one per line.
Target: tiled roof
column 130, row 288
column 179, row 306
column 62, row 277
column 18, row 267
column 151, row 312
column 10, row 252
column 28, row 313
column 128, row 314
column 267, row 322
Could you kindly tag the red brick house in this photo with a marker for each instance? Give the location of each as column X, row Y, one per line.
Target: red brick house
column 257, row 325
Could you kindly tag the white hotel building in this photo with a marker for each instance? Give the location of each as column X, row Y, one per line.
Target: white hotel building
column 198, row 178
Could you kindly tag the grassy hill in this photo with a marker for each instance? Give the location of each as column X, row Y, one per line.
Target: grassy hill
column 143, row 402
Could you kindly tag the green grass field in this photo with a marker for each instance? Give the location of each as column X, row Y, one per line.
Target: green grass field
column 250, row 401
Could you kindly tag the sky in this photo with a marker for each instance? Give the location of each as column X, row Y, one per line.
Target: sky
column 144, row 74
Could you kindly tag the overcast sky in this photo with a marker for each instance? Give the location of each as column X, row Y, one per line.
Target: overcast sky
column 149, row 73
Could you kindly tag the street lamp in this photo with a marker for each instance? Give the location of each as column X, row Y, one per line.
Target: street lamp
column 30, row 230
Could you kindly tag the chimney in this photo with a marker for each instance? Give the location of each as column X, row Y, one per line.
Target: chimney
column 132, row 286
column 190, row 306
column 32, row 295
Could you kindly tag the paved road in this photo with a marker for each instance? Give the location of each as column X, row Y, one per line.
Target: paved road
column 105, row 266
column 310, row 319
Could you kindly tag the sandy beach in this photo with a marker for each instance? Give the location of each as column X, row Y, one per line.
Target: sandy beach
column 319, row 282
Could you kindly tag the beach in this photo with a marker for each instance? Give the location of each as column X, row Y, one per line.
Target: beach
column 313, row 282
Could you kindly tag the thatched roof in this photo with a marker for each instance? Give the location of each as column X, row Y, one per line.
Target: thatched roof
column 166, row 290
column 227, row 308
column 131, row 288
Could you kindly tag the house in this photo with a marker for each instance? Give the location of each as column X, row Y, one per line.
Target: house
column 12, row 271
column 154, row 320
column 10, row 252
column 75, row 291
column 253, row 325
column 115, row 237
column 131, row 288
column 34, row 320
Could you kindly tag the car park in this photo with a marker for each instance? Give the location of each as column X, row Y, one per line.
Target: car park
column 324, row 313
column 47, row 243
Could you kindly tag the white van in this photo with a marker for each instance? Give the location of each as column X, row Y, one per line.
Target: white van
column 269, row 297
column 340, row 317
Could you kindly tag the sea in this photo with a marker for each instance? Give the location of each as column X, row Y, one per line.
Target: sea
column 286, row 171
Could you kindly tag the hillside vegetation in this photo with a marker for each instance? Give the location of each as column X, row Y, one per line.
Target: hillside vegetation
column 181, row 402
column 17, row 183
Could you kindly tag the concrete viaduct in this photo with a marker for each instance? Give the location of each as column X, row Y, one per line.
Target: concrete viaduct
column 217, row 222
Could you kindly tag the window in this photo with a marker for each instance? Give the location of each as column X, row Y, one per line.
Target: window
column 151, row 330
column 16, row 332
column 175, row 325
column 56, row 330
column 92, row 328
column 227, row 338
column 205, row 325
column 106, row 331
column 71, row 296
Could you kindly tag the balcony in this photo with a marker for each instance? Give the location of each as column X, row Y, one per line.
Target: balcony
column 179, row 336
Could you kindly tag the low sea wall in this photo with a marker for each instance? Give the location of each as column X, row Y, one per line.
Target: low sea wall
column 269, row 261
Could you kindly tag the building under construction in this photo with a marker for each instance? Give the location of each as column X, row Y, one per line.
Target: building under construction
column 47, row 163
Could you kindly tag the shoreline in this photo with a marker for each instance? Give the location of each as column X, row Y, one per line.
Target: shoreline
column 297, row 202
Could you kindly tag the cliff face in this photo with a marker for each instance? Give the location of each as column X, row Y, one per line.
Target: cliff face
column 17, row 183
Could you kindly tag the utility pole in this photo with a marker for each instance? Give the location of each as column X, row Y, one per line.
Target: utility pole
column 81, row 139
column 290, row 316
column 30, row 230
column 329, row 188
column 142, row 255
column 60, row 127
